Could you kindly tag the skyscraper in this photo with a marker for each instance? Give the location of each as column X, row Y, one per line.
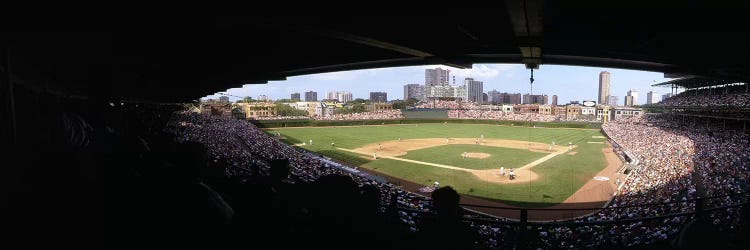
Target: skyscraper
column 554, row 100
column 311, row 96
column 436, row 76
column 380, row 97
column 652, row 97
column 475, row 90
column 634, row 94
column 341, row 96
column 604, row 87
column 415, row 91
column 628, row 101
column 331, row 95
column 344, row 96
column 512, row 98
column 535, row 99
column 494, row 96
column 295, row 96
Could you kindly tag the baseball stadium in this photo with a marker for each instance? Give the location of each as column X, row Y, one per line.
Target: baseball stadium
column 209, row 131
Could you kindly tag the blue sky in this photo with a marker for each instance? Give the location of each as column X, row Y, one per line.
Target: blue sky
column 567, row 82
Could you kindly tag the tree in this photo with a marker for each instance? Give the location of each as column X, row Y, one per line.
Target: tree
column 286, row 110
column 358, row 108
column 358, row 101
column 351, row 109
column 247, row 99
column 405, row 103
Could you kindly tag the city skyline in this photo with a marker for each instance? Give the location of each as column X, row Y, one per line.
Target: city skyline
column 569, row 83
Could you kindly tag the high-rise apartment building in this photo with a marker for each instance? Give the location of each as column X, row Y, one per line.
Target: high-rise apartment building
column 652, row 97
column 604, row 87
column 378, row 97
column 415, row 91
column 474, row 89
column 311, row 96
column 437, row 76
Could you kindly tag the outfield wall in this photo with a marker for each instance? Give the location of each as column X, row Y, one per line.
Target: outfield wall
column 314, row 123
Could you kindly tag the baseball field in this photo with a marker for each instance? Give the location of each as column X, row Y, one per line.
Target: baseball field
column 468, row 157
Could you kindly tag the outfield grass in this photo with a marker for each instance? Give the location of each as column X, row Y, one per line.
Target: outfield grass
column 451, row 155
column 354, row 137
column 559, row 177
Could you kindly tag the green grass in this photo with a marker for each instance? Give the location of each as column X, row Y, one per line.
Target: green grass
column 559, row 177
column 451, row 155
column 354, row 137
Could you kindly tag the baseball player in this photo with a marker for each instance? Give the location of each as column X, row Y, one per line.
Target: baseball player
column 310, row 142
column 380, row 147
column 374, row 156
column 437, row 185
column 502, row 171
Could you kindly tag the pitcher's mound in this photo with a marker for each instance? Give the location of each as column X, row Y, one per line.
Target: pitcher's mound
column 477, row 155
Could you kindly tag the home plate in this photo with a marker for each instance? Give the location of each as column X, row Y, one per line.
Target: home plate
column 601, row 178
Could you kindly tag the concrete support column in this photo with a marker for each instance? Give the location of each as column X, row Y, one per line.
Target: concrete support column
column 10, row 101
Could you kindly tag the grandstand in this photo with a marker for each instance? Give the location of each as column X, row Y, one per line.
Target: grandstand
column 708, row 102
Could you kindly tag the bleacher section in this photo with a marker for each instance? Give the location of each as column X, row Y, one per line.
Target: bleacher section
column 425, row 113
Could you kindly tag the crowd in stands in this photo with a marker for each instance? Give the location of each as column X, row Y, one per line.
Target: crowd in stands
column 255, row 150
column 664, row 179
column 672, row 157
column 500, row 115
column 470, row 110
column 281, row 118
column 390, row 114
column 445, row 104
column 736, row 96
column 455, row 110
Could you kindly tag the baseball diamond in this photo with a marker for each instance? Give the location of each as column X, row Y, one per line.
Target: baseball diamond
column 417, row 156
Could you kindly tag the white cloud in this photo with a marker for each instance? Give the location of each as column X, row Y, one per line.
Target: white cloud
column 481, row 72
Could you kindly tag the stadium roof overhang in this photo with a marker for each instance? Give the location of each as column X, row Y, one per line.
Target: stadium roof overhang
column 695, row 82
column 184, row 58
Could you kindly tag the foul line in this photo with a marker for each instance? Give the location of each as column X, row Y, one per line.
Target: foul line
column 530, row 165
column 543, row 159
